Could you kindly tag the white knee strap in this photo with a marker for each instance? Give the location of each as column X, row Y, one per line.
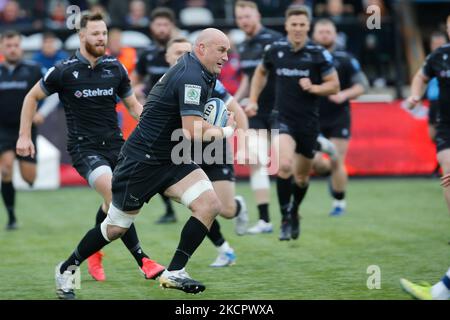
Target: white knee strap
column 118, row 218
column 194, row 191
column 96, row 173
column 259, row 178
column 328, row 147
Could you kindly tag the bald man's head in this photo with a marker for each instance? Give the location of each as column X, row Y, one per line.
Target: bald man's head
column 211, row 47
column 211, row 35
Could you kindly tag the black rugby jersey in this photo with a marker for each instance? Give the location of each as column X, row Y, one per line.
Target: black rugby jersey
column 437, row 65
column 89, row 95
column 182, row 91
column 15, row 82
column 221, row 92
column 250, row 54
column 152, row 62
column 347, row 68
column 297, row 107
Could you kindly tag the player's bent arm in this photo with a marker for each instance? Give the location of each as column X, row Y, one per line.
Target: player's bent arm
column 259, row 81
column 29, row 108
column 353, row 92
column 133, row 106
column 241, row 123
column 330, row 85
column 239, row 114
column 243, row 90
column 24, row 146
column 198, row 129
column 418, row 85
column 360, row 85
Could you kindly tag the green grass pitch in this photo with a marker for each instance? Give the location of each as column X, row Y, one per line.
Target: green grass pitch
column 400, row 225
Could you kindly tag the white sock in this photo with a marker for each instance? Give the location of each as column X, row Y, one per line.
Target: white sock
column 328, row 147
column 225, row 247
column 440, row 292
column 339, row 203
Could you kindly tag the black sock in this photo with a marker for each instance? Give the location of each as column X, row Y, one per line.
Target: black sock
column 238, row 208
column 192, row 235
column 131, row 241
column 338, row 195
column 92, row 242
column 9, row 197
column 263, row 209
column 215, row 235
column 101, row 215
column 168, row 204
column 284, row 191
column 299, row 194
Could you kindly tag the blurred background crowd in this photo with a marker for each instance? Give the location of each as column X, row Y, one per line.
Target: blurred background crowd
column 385, row 59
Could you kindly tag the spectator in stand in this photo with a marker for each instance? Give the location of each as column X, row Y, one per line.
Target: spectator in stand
column 13, row 17
column 137, row 15
column 99, row 8
column 175, row 5
column 335, row 10
column 276, row 8
column 36, row 10
column 196, row 3
column 116, row 10
column 56, row 14
column 49, row 55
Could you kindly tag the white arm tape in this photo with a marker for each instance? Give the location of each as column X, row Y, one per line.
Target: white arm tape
column 227, row 131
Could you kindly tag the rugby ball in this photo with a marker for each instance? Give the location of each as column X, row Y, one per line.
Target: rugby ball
column 215, row 112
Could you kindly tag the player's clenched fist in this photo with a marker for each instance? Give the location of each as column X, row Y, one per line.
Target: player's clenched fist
column 445, row 180
column 305, row 84
column 251, row 109
column 412, row 101
column 25, row 147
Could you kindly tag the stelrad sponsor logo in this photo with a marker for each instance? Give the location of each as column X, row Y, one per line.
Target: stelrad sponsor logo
column 94, row 93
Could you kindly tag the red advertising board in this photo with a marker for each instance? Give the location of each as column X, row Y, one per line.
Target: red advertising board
column 386, row 140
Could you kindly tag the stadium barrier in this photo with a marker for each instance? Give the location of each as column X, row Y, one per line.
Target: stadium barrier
column 387, row 140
